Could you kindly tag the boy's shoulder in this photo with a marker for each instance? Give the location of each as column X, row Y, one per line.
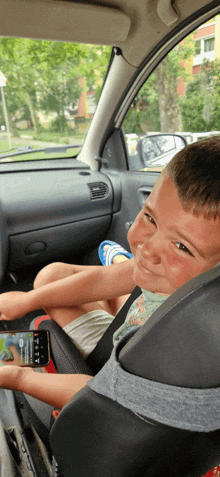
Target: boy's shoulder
column 139, row 312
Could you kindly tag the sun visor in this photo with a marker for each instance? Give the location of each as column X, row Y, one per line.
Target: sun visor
column 63, row 21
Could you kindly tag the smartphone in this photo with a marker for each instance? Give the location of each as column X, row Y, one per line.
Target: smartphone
column 24, row 348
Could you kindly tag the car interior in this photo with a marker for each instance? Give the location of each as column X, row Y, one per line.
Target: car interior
column 61, row 209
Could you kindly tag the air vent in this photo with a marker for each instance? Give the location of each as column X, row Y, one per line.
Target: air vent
column 98, row 190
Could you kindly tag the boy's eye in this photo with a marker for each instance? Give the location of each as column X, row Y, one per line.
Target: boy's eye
column 183, row 248
column 150, row 218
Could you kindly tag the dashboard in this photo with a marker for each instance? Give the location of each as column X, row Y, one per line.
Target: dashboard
column 51, row 209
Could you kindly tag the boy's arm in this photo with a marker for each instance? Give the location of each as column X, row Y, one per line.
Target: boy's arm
column 54, row 389
column 93, row 284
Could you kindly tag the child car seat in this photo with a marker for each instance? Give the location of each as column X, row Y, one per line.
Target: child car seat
column 67, row 359
column 99, row 433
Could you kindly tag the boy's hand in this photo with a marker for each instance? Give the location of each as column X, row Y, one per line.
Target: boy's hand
column 13, row 305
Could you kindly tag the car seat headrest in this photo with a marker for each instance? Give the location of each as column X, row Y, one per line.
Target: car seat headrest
column 180, row 342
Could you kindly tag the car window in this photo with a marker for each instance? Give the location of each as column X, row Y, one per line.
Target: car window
column 49, row 93
column 179, row 103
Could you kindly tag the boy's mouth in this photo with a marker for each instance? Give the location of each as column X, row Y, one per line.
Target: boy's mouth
column 141, row 265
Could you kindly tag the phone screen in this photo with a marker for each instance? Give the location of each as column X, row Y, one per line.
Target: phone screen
column 24, row 348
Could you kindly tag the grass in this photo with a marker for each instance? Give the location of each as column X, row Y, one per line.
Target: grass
column 50, row 136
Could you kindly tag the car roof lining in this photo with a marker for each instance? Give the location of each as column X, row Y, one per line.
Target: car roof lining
column 129, row 24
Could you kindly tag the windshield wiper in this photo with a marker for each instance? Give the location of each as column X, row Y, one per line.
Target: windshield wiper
column 47, row 150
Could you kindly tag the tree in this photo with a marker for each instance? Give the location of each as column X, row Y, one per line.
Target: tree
column 201, row 103
column 21, row 74
column 168, row 74
column 61, row 90
column 166, row 80
column 143, row 114
column 46, row 74
column 156, row 107
column 60, row 93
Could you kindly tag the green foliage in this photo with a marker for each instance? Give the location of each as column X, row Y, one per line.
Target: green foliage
column 143, row 114
column 60, row 93
column 44, row 75
column 192, row 113
column 201, row 104
column 156, row 107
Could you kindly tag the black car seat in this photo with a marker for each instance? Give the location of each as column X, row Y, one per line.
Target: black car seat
column 67, row 359
column 178, row 347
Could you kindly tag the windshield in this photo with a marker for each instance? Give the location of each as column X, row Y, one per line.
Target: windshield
column 49, row 93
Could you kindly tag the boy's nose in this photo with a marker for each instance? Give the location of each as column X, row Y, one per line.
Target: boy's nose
column 151, row 250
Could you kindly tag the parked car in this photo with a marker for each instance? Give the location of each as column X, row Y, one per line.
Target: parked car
column 63, row 193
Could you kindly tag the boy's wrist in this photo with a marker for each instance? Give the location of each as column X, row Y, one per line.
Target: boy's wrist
column 31, row 301
column 21, row 378
column 11, row 377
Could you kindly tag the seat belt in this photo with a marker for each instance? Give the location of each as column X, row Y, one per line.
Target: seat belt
column 102, row 351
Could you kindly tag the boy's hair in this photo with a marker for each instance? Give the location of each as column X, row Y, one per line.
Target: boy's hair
column 195, row 171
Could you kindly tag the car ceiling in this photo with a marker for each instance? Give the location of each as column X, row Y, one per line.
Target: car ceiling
column 129, row 24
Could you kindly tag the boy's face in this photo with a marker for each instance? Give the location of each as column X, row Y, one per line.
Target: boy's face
column 171, row 245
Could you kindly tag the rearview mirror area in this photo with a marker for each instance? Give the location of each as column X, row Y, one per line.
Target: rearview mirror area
column 154, row 151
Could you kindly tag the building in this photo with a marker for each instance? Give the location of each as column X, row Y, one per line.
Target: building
column 206, row 46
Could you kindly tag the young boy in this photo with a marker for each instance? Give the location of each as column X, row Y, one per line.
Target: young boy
column 174, row 238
